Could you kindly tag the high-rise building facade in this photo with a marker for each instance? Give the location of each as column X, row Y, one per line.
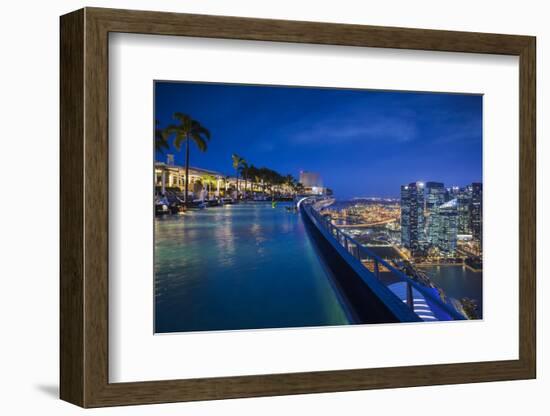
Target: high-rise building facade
column 464, row 201
column 447, row 215
column 435, row 196
column 452, row 192
column 412, row 216
column 476, row 212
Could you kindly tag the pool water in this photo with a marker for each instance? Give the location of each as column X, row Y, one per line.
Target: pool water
column 245, row 266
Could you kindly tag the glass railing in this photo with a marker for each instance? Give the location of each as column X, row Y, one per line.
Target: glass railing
column 429, row 303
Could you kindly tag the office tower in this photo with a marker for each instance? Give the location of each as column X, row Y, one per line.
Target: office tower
column 412, row 216
column 447, row 215
column 464, row 201
column 435, row 196
column 476, row 212
column 451, row 193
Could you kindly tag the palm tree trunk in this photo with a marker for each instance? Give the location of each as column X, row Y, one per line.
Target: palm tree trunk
column 185, row 202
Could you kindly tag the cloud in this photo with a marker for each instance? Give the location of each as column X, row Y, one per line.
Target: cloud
column 456, row 127
column 352, row 129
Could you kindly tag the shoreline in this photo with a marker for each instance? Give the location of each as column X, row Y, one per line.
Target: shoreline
column 421, row 265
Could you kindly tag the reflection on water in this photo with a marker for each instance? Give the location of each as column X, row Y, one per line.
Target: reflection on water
column 458, row 281
column 239, row 267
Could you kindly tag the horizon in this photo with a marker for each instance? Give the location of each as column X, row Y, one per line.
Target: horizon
column 384, row 138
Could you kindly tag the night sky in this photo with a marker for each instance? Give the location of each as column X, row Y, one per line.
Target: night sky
column 363, row 143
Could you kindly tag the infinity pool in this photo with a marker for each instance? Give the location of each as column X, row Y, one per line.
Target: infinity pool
column 242, row 266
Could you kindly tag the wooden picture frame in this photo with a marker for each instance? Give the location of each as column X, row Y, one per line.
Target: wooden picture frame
column 84, row 207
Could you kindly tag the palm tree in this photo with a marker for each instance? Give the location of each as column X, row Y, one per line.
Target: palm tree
column 254, row 174
column 161, row 138
column 290, row 182
column 244, row 173
column 188, row 130
column 237, row 162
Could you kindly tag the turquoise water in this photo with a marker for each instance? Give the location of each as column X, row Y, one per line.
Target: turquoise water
column 240, row 266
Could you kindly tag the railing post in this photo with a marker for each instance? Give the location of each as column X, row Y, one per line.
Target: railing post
column 376, row 269
column 410, row 300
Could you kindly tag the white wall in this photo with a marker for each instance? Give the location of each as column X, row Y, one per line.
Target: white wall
column 29, row 233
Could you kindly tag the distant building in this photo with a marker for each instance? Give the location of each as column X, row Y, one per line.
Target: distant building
column 435, row 197
column 447, row 218
column 312, row 183
column 476, row 208
column 412, row 217
column 310, row 179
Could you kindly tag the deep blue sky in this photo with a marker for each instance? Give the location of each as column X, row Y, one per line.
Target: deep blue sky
column 363, row 143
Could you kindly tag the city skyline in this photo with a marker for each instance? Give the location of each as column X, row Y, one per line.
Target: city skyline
column 257, row 223
column 362, row 142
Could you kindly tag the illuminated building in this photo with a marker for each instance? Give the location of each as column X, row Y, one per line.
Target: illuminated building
column 452, row 193
column 412, row 216
column 464, row 200
column 477, row 211
column 312, row 183
column 435, row 196
column 170, row 176
column 447, row 218
column 310, row 179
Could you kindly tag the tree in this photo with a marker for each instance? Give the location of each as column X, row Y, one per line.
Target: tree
column 186, row 131
column 161, row 138
column 290, row 182
column 254, row 176
column 244, row 173
column 237, row 163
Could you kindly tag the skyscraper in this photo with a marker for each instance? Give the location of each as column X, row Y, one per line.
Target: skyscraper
column 447, row 215
column 464, row 201
column 452, row 192
column 435, row 196
column 412, row 216
column 476, row 212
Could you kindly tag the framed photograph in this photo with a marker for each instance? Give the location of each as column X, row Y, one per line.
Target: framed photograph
column 260, row 207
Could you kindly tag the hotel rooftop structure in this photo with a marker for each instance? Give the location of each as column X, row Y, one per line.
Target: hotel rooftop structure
column 172, row 176
column 312, row 183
